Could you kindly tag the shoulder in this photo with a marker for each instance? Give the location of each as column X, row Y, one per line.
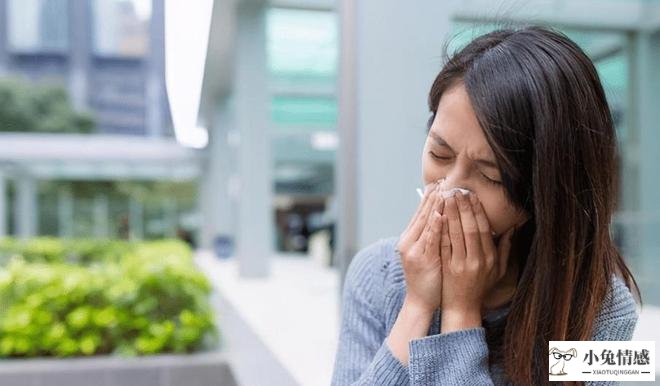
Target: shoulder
column 373, row 270
column 619, row 301
column 618, row 314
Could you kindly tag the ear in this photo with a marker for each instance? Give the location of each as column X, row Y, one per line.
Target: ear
column 554, row 349
column 573, row 352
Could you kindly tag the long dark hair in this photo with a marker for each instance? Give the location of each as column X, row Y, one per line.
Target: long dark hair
column 542, row 107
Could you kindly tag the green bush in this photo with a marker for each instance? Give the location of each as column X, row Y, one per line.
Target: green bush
column 86, row 297
column 77, row 251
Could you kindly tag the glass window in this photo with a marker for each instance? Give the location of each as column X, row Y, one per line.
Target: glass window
column 307, row 111
column 302, row 49
column 37, row 25
column 302, row 45
column 121, row 27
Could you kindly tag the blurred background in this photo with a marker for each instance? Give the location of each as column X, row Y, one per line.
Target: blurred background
column 274, row 140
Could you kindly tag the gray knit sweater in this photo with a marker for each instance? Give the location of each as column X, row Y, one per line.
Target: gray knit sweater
column 372, row 297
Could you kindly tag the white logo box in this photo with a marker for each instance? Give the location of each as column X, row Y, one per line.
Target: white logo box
column 627, row 360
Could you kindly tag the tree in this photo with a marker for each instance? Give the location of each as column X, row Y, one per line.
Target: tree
column 42, row 108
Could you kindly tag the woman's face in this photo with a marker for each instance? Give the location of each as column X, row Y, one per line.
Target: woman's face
column 456, row 150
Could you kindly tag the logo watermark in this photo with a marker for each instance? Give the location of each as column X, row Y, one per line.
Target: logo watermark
column 571, row 360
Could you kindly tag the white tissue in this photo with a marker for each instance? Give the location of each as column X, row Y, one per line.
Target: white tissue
column 445, row 193
column 449, row 193
column 452, row 191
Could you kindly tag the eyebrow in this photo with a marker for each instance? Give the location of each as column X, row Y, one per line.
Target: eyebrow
column 441, row 142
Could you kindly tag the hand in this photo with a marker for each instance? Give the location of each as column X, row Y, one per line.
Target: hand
column 419, row 250
column 472, row 263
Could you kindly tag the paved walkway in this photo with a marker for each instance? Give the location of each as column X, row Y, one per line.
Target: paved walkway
column 290, row 319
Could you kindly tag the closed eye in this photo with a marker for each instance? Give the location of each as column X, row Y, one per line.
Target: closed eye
column 490, row 180
column 438, row 157
column 485, row 177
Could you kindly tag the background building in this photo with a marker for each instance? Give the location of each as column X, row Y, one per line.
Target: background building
column 127, row 178
column 110, row 54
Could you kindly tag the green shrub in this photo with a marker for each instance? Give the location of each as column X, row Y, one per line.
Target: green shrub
column 78, row 251
column 86, row 297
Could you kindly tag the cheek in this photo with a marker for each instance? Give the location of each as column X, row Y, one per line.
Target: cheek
column 501, row 215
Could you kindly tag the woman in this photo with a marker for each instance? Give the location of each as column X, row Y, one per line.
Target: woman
column 473, row 289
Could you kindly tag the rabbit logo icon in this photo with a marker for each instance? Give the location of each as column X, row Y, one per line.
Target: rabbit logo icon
column 559, row 359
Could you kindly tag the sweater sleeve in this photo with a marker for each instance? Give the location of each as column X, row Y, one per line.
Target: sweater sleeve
column 453, row 358
column 461, row 357
column 617, row 321
column 363, row 356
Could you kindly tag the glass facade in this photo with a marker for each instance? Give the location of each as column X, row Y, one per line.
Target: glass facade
column 37, row 25
column 302, row 46
column 302, row 49
column 116, row 209
column 312, row 112
column 121, row 27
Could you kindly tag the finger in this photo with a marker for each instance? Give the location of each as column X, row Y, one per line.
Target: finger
column 427, row 193
column 433, row 237
column 473, row 250
column 445, row 242
column 412, row 234
column 422, row 220
column 420, row 245
column 487, row 243
column 437, row 209
column 504, row 247
column 455, row 229
column 425, row 198
column 440, row 203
